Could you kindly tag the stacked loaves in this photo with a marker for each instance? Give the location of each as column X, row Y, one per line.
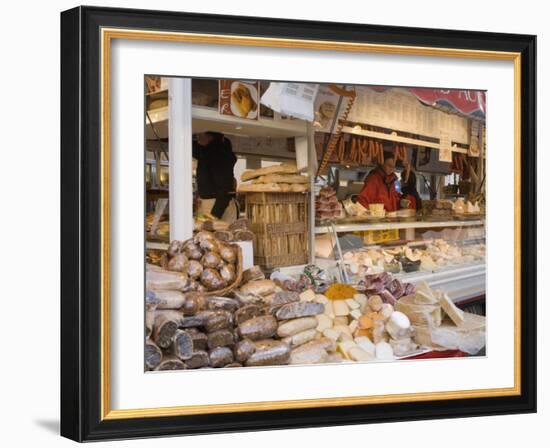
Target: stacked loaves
column 282, row 178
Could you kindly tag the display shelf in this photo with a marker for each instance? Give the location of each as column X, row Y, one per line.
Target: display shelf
column 340, row 228
column 460, row 282
column 209, row 119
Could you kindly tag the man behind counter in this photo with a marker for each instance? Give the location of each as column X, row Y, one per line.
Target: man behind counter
column 379, row 186
column 215, row 181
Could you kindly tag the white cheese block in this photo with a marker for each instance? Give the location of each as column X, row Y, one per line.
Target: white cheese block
column 366, row 344
column 331, row 333
column 384, row 351
column 361, row 299
column 403, row 347
column 307, row 296
column 386, row 311
column 345, row 337
column 424, row 298
column 340, row 307
column 398, row 325
column 353, row 305
column 358, row 354
column 353, row 326
column 320, row 298
column 356, row 314
column 379, row 333
column 345, row 346
column 329, row 310
column 340, row 320
column 323, row 322
column 455, row 313
column 343, row 329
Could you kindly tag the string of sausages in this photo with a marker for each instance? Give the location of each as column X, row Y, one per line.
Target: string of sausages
column 363, row 151
column 336, row 137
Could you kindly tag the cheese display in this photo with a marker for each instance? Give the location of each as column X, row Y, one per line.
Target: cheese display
column 430, row 256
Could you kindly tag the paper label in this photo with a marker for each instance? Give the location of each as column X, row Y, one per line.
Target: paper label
column 445, row 149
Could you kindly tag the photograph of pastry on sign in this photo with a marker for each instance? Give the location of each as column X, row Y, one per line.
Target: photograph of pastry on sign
column 239, row 99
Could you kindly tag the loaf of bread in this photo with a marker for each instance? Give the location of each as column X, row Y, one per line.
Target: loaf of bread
column 273, row 188
column 281, row 178
column 286, row 168
column 268, row 188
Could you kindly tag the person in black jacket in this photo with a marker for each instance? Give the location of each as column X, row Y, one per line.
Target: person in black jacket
column 408, row 189
column 215, row 180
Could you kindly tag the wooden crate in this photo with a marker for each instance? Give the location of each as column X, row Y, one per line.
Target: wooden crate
column 280, row 225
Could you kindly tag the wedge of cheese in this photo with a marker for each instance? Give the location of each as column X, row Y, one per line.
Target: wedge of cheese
column 455, row 313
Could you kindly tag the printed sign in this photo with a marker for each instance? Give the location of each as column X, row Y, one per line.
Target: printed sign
column 399, row 109
column 239, row 99
column 291, row 99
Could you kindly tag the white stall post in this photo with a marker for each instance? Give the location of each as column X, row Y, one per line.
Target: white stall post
column 312, row 170
column 180, row 151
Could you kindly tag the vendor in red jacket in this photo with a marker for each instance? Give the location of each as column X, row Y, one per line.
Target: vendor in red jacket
column 379, row 186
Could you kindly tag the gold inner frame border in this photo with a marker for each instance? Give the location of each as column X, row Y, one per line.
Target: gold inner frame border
column 107, row 35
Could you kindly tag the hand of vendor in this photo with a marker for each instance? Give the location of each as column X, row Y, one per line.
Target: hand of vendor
column 404, row 203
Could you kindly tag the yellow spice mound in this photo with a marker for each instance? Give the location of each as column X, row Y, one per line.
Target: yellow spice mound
column 340, row 291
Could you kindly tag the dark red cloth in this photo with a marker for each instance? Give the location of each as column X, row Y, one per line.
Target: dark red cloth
column 436, row 354
column 379, row 188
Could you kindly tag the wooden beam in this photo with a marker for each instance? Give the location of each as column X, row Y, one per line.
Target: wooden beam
column 397, row 138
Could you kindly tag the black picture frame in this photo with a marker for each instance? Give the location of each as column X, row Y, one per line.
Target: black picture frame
column 81, row 224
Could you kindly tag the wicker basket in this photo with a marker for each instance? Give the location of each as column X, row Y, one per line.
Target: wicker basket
column 238, row 278
column 279, row 222
column 277, row 261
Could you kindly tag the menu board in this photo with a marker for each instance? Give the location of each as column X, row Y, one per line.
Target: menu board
column 399, row 110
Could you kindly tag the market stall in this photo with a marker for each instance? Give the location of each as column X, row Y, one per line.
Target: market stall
column 306, row 273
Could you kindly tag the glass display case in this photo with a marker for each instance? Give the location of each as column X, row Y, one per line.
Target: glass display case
column 446, row 254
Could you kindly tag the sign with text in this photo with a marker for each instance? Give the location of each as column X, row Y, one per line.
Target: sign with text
column 399, row 109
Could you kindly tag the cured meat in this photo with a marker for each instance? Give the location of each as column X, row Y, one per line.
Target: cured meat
column 409, row 289
column 269, row 352
column 261, row 327
column 387, row 297
column 299, row 309
column 396, row 288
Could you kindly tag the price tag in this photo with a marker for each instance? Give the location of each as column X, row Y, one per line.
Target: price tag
column 445, row 149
